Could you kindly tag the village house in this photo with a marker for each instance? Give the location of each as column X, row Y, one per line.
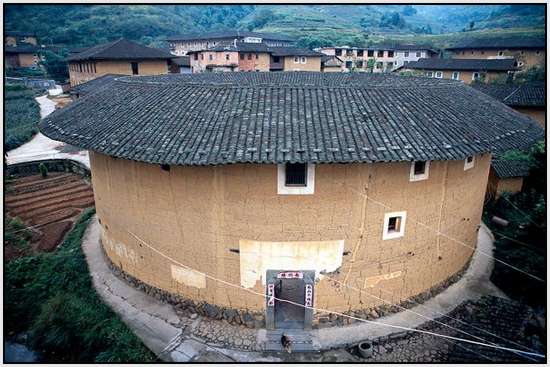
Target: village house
column 117, row 57
column 506, row 176
column 526, row 51
column 386, row 57
column 181, row 45
column 21, row 49
column 466, row 70
column 527, row 98
column 243, row 56
column 228, row 190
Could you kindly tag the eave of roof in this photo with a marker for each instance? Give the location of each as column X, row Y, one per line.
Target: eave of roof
column 462, row 64
column 225, row 118
column 510, row 168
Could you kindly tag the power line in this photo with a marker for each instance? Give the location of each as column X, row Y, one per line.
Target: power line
column 330, row 311
column 454, row 240
column 521, row 211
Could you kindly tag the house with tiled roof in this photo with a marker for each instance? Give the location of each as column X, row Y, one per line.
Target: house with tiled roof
column 506, row 176
column 117, row 57
column 270, row 183
column 248, row 56
column 181, row 45
column 21, row 49
column 466, row 70
column 526, row 51
column 528, row 98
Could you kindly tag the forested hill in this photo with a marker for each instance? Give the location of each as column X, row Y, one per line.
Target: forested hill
column 85, row 25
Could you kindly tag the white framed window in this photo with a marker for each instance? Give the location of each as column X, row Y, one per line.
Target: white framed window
column 469, row 162
column 439, row 74
column 406, row 54
column 455, row 75
column 418, row 54
column 303, row 59
column 475, row 75
column 296, row 59
column 394, row 225
column 429, row 74
column 521, row 63
column 501, row 53
column 295, row 179
column 420, row 170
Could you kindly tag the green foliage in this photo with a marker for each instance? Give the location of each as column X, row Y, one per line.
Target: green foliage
column 392, row 20
column 55, row 65
column 16, row 233
column 25, row 72
column 515, row 155
column 21, row 115
column 533, row 74
column 526, row 213
column 51, row 294
column 43, row 170
column 261, row 18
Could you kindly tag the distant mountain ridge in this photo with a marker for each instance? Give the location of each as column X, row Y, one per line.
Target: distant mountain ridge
column 86, row 25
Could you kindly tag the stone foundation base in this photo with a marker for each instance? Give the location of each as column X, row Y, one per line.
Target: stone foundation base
column 256, row 320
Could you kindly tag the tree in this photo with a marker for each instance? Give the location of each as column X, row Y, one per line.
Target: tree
column 55, row 65
column 370, row 64
column 261, row 18
column 409, row 10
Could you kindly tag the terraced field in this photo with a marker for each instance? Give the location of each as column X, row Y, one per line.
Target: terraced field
column 48, row 205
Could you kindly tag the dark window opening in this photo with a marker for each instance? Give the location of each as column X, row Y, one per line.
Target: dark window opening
column 390, row 53
column 419, row 168
column 276, row 59
column 196, row 56
column 359, row 52
column 470, row 159
column 249, row 57
column 370, row 53
column 380, row 53
column 135, row 70
column 338, row 52
column 165, row 167
column 242, row 56
column 296, row 174
column 394, row 224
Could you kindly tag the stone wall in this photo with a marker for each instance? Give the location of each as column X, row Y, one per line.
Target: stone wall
column 198, row 216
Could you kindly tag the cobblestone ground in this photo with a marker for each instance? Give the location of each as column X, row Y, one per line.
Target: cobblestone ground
column 507, row 319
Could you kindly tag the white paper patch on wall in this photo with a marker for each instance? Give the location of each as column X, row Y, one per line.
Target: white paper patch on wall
column 256, row 257
column 188, row 277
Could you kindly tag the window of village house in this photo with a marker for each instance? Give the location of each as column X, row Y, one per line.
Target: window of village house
column 439, row 74
column 419, row 170
column 394, row 225
column 242, row 56
column 249, row 56
column 359, row 52
column 202, row 56
column 227, row 56
column 455, row 75
column 256, row 56
column 210, row 58
column 418, row 54
column 359, row 64
column 501, row 53
column 537, row 52
column 95, row 70
column 276, row 59
column 370, row 53
column 349, row 64
column 475, row 76
column 349, row 52
column 196, row 56
column 406, row 54
column 303, row 59
column 295, row 179
column 338, row 52
column 80, row 67
column 296, row 59
column 135, row 70
column 469, row 162
column 390, row 53
column 380, row 54
column 429, row 74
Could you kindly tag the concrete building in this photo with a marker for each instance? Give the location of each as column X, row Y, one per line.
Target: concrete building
column 527, row 98
column 232, row 189
column 466, row 70
column 385, row 57
column 243, row 56
column 181, row 45
column 118, row 57
column 506, row 176
column 525, row 51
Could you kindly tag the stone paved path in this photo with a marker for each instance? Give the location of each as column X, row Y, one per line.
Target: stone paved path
column 178, row 335
column 41, row 147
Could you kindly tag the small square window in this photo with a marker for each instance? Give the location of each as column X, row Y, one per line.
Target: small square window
column 394, row 225
column 418, row 54
column 406, row 54
column 242, row 56
column 295, row 179
column 380, row 53
column 296, row 59
column 249, row 57
column 469, row 162
column 419, row 170
column 455, row 75
column 227, row 56
column 439, row 74
column 390, row 53
column 370, row 53
column 303, row 59
column 429, row 74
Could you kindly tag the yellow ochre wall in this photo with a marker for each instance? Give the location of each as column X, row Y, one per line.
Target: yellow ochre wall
column 313, row 63
column 145, row 67
column 196, row 215
column 529, row 57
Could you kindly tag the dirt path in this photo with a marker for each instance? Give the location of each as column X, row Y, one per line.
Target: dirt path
column 41, row 147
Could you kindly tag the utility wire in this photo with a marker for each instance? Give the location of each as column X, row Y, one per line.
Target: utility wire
column 330, row 311
column 521, row 211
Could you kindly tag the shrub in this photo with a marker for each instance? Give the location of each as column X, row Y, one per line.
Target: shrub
column 43, row 170
column 21, row 113
column 51, row 294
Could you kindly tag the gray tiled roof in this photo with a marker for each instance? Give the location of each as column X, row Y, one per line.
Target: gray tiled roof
column 462, row 64
column 229, row 35
column 94, row 85
column 121, row 49
column 262, row 47
column 181, row 61
column 516, row 95
column 501, row 43
column 510, row 168
column 22, row 49
column 223, row 118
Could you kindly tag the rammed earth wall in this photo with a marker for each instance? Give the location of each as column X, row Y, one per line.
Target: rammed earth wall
column 198, row 216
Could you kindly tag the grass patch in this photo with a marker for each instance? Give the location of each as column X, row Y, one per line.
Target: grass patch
column 51, row 297
column 22, row 114
column 16, row 233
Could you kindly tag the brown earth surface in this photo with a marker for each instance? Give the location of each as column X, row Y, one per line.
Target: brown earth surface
column 50, row 205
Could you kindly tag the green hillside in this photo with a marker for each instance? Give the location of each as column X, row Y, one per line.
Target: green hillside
column 313, row 25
